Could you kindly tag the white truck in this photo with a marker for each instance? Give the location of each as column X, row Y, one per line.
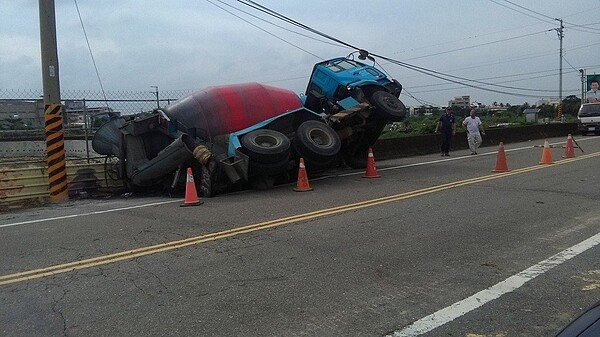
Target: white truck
column 589, row 118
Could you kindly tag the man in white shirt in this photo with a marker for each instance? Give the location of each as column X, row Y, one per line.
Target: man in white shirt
column 593, row 96
column 473, row 125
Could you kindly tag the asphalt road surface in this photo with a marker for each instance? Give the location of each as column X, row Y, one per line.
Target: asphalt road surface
column 438, row 246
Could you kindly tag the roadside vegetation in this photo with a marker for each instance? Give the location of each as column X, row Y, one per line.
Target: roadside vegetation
column 499, row 115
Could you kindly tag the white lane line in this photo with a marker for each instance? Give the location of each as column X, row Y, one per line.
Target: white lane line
column 90, row 213
column 473, row 302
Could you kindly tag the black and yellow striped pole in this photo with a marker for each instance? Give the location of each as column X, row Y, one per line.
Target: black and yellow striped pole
column 55, row 142
column 55, row 148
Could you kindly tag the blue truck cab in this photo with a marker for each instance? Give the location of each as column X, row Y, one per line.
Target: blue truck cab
column 357, row 100
column 333, row 81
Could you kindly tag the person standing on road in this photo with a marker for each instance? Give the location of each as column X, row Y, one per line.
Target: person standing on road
column 446, row 126
column 473, row 125
column 593, row 96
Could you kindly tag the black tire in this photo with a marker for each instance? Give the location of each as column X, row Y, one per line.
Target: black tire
column 316, row 141
column 388, row 106
column 266, row 146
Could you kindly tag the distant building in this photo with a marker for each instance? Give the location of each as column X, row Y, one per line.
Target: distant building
column 531, row 115
column 477, row 105
column 548, row 101
column 464, row 102
column 75, row 117
column 30, row 113
column 425, row 109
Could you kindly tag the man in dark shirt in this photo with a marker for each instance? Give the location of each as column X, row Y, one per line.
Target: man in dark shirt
column 447, row 127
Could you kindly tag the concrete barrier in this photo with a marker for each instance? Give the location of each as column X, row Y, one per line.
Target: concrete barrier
column 426, row 144
column 25, row 184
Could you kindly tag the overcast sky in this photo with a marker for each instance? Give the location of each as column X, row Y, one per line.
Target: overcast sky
column 188, row 45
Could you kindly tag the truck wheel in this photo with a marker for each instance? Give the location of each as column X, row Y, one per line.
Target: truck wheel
column 388, row 106
column 266, row 146
column 316, row 141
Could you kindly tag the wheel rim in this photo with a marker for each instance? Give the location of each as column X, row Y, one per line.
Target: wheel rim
column 391, row 103
column 267, row 141
column 320, row 138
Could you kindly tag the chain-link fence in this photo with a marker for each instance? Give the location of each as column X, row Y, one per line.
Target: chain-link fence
column 22, row 116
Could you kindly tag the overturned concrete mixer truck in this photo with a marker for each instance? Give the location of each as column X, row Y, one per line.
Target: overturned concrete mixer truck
column 252, row 135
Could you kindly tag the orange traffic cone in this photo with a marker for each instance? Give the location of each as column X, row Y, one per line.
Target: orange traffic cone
column 191, row 196
column 546, row 154
column 569, row 151
column 371, row 169
column 302, row 184
column 501, row 160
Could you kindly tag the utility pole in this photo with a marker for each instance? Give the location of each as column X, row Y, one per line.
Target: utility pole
column 55, row 143
column 582, row 71
column 560, row 37
column 156, row 93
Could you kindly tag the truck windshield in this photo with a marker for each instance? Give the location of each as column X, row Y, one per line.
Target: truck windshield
column 341, row 65
column 590, row 110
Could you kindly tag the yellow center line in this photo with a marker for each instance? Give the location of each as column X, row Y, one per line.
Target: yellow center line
column 143, row 251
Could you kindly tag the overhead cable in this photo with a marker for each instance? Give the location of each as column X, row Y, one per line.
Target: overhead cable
column 264, row 30
column 429, row 72
column 91, row 54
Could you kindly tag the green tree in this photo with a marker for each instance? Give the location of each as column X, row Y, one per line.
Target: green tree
column 547, row 111
column 571, row 105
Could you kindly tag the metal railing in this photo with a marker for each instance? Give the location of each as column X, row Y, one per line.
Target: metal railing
column 22, row 116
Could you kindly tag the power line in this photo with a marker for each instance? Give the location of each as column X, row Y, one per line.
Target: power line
column 511, row 81
column 429, row 72
column 446, row 77
column 518, row 11
column 597, row 31
column 509, row 60
column 276, row 25
column 458, row 40
column 264, row 30
column 529, row 10
column 91, row 54
column 477, row 45
column 587, row 24
column 591, row 10
column 405, row 92
column 554, row 72
column 524, row 57
column 584, row 29
column 569, row 63
column 584, row 46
